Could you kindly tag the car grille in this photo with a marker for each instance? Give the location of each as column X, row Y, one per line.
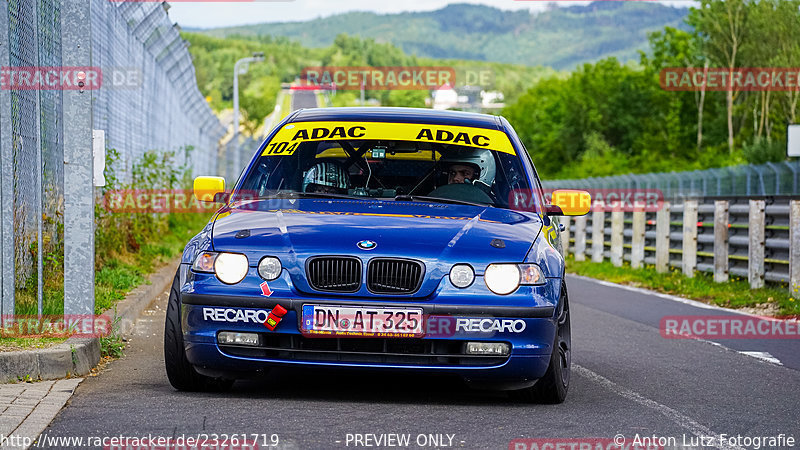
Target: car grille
column 334, row 274
column 394, row 276
column 425, row 352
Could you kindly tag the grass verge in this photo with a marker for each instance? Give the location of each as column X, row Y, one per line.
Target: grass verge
column 128, row 247
column 125, row 268
column 10, row 343
column 286, row 104
column 734, row 294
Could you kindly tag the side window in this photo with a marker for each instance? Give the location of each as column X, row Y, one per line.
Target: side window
column 537, row 188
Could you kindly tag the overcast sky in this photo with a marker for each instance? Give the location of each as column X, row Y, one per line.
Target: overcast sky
column 239, row 12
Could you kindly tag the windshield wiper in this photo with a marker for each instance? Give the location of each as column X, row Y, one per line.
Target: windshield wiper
column 414, row 198
column 311, row 195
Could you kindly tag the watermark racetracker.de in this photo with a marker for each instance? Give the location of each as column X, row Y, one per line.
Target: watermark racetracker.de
column 728, row 327
column 626, row 200
column 378, row 78
column 64, row 78
column 725, row 79
column 149, row 201
column 68, row 325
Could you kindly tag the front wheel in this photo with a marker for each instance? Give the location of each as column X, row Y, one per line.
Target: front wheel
column 181, row 374
column 553, row 386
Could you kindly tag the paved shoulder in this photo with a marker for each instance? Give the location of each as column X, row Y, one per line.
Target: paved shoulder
column 27, row 409
column 303, row 99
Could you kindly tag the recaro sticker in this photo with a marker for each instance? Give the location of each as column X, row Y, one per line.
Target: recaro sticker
column 235, row 315
column 291, row 135
column 490, row 325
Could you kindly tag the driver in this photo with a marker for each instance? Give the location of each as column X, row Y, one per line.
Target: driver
column 472, row 166
column 328, row 177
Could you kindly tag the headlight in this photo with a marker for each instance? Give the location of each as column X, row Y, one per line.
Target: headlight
column 269, row 268
column 531, row 274
column 462, row 275
column 502, row 279
column 205, row 262
column 230, row 268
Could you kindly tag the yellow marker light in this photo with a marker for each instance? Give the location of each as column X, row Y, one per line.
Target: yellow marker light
column 206, row 188
column 572, row 202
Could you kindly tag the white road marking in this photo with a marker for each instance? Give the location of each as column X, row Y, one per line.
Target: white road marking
column 674, row 298
column 764, row 356
column 676, row 417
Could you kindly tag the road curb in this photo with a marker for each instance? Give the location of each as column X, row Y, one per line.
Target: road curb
column 74, row 357
column 126, row 311
column 77, row 356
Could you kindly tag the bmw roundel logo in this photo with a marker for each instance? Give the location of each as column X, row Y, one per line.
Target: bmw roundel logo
column 367, row 245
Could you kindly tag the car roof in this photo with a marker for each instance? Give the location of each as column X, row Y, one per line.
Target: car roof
column 401, row 115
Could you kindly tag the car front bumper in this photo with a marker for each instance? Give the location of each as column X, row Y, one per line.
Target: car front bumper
column 441, row 350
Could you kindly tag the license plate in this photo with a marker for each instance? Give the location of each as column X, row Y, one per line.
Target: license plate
column 358, row 321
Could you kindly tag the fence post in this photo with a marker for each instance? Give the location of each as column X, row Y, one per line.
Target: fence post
column 755, row 249
column 598, row 235
column 637, row 239
column 616, row 237
column 794, row 248
column 580, row 238
column 6, row 185
column 721, row 240
column 565, row 236
column 689, row 237
column 662, row 238
column 78, row 165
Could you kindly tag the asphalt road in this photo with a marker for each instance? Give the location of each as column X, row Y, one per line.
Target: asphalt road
column 303, row 99
column 627, row 379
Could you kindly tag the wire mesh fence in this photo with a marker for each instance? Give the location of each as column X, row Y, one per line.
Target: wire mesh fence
column 227, row 166
column 149, row 99
column 747, row 180
column 146, row 99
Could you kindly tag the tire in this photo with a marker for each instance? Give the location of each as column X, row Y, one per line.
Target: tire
column 182, row 375
column 552, row 388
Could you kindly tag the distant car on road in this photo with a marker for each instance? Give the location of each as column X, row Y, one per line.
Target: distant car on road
column 383, row 238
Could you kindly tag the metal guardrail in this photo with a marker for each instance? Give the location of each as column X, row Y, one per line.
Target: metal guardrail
column 46, row 161
column 756, row 238
column 745, row 180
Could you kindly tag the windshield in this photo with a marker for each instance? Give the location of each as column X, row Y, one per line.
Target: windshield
column 396, row 161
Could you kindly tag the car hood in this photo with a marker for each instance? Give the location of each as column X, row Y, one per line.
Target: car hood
column 440, row 235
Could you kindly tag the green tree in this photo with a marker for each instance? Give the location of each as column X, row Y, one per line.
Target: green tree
column 723, row 27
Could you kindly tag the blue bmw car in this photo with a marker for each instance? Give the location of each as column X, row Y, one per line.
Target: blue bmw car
column 379, row 238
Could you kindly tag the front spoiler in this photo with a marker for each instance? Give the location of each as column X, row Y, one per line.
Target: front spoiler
column 517, row 372
column 528, row 361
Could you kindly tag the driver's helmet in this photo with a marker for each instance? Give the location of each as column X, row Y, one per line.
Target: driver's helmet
column 326, row 175
column 480, row 159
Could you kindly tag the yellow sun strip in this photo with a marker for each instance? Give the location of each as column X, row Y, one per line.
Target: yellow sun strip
column 291, row 135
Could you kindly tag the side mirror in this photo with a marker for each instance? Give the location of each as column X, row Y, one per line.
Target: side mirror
column 208, row 189
column 569, row 202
